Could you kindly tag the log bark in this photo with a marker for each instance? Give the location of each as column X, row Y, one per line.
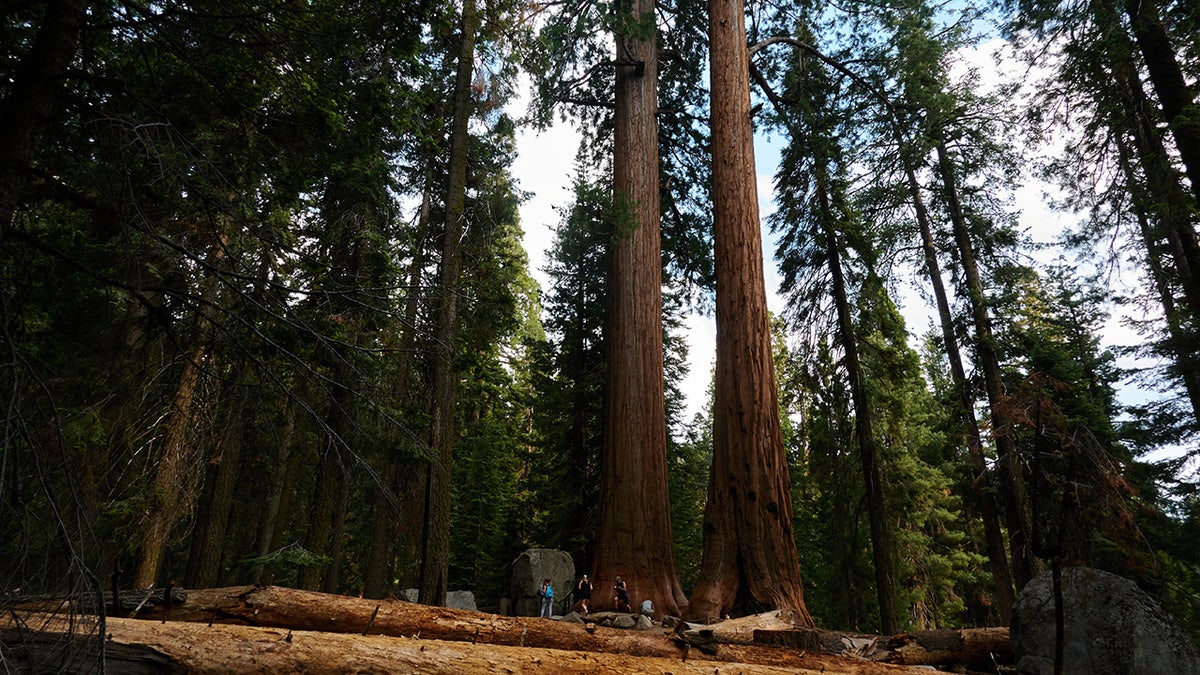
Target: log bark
column 970, row 647
column 276, row 606
column 220, row 618
column 173, row 646
column 287, row 608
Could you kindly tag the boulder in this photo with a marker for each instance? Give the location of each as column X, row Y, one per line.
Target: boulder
column 572, row 617
column 527, row 573
column 644, row 622
column 461, row 600
column 1110, row 627
column 454, row 599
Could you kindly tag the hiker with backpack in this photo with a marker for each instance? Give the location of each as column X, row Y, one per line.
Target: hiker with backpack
column 546, row 593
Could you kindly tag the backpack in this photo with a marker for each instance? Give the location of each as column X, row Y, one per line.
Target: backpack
column 549, row 591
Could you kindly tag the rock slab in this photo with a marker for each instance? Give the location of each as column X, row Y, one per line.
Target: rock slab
column 454, row 599
column 1110, row 627
column 527, row 573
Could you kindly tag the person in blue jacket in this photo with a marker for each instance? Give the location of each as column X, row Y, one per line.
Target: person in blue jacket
column 546, row 593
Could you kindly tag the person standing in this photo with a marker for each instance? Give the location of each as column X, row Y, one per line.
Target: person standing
column 546, row 593
column 583, row 593
column 621, row 595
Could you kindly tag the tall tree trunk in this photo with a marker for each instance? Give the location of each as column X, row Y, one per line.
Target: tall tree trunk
column 27, row 110
column 435, row 559
column 882, row 549
column 270, row 525
column 981, row 484
column 749, row 562
column 1012, row 472
column 1172, row 206
column 1182, row 342
column 337, row 543
column 1174, row 94
column 216, row 501
column 394, row 503
column 328, row 487
column 1164, row 197
column 633, row 538
column 172, row 476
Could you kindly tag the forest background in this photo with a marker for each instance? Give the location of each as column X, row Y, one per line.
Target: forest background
column 268, row 316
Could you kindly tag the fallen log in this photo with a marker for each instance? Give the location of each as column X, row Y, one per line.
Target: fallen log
column 137, row 645
column 971, row 647
column 977, row 647
column 121, row 603
column 766, row 639
column 281, row 607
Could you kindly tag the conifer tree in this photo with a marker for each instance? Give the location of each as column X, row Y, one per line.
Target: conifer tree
column 749, row 561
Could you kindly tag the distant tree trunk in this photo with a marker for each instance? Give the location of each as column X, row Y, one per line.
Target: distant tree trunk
column 1012, row 471
column 274, row 512
column 172, row 476
column 882, row 549
column 1174, row 94
column 337, row 543
column 1172, row 206
column 749, row 562
column 328, row 487
column 1155, row 199
column 27, row 110
column 633, row 536
column 1182, row 343
column 435, row 559
column 981, row 483
column 216, row 500
column 174, row 482
column 392, row 507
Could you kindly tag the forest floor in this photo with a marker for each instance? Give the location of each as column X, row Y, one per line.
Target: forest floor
column 255, row 629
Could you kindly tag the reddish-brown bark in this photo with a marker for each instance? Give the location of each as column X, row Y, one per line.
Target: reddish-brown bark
column 749, row 561
column 634, row 531
column 135, row 646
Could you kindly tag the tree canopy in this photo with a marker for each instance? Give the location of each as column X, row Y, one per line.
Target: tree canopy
column 267, row 314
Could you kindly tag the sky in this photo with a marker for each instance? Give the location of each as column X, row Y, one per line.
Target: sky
column 544, row 169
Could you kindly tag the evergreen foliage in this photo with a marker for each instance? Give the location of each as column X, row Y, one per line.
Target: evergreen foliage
column 221, row 231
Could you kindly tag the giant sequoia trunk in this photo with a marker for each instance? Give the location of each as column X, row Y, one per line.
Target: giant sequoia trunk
column 273, row 629
column 435, row 558
column 634, row 531
column 749, row 562
column 135, row 646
